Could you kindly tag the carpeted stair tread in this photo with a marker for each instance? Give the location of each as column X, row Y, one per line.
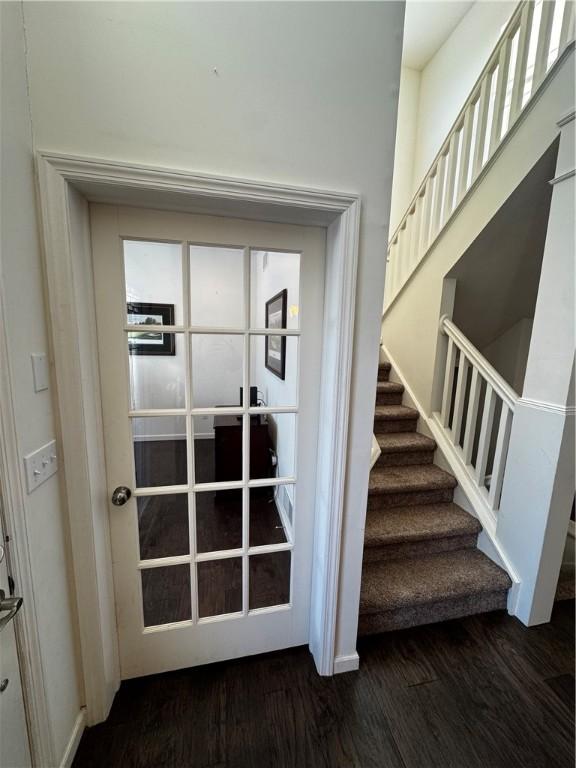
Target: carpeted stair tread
column 410, row 479
column 566, row 588
column 384, row 371
column 405, row 442
column 394, row 413
column 410, row 582
column 399, row 525
column 389, row 387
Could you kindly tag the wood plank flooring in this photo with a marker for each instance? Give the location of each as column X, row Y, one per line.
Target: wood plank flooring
column 480, row 692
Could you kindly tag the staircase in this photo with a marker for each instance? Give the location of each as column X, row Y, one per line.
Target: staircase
column 421, row 564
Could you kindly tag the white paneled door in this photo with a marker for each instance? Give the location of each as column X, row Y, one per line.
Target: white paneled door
column 14, row 748
column 210, row 344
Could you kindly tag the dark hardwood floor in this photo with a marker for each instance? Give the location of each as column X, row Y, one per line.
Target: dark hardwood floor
column 481, row 692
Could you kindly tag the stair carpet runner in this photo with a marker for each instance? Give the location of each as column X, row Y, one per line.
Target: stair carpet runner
column 421, row 564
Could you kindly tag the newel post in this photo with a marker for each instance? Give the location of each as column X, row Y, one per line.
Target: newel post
column 538, row 486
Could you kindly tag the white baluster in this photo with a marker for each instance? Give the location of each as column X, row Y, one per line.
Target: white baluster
column 465, row 153
column 501, row 83
column 567, row 31
column 543, row 48
column 438, row 195
column 463, row 365
column 521, row 61
column 471, row 416
column 499, row 465
column 485, row 434
column 483, row 104
column 451, row 176
column 448, row 382
column 415, row 237
column 426, row 217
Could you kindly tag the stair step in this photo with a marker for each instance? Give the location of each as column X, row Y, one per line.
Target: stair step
column 395, row 418
column 402, row 448
column 389, row 393
column 384, row 371
column 418, row 530
column 423, row 590
column 408, row 479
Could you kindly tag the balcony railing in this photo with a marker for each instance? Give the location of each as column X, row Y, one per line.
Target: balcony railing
column 534, row 38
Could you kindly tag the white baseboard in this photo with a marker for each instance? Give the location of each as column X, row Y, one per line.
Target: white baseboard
column 74, row 740
column 349, row 663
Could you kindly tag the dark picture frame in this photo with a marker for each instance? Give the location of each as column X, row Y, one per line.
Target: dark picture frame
column 149, row 342
column 275, row 346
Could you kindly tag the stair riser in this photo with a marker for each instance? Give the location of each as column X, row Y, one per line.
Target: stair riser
column 384, row 426
column 383, row 375
column 413, row 616
column 406, row 459
column 389, row 398
column 385, row 500
column 389, row 552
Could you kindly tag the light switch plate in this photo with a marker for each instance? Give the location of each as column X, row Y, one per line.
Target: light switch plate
column 40, row 465
column 40, row 372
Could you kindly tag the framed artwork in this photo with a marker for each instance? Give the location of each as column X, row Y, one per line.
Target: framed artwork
column 149, row 341
column 275, row 349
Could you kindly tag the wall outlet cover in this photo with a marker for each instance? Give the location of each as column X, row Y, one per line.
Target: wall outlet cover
column 40, row 465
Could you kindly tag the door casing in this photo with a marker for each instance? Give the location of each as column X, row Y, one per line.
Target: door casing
column 66, row 185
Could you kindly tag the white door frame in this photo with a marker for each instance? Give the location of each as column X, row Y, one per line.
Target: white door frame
column 66, row 183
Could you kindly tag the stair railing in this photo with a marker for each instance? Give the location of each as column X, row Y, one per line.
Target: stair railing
column 532, row 41
column 476, row 414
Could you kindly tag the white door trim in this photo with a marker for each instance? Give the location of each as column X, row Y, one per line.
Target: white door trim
column 26, row 624
column 62, row 176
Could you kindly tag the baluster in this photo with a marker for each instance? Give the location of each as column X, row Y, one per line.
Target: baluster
column 472, row 416
column 426, row 216
column 499, row 466
column 567, row 31
column 463, row 365
column 451, row 176
column 415, row 236
column 500, row 96
column 483, row 104
column 543, row 48
column 438, row 197
column 448, row 382
column 465, row 152
column 407, row 246
column 485, row 434
column 401, row 253
column 521, row 61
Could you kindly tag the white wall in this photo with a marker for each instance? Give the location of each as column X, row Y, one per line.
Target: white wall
column 22, row 288
column 300, row 93
column 431, row 99
column 509, row 353
column 404, row 152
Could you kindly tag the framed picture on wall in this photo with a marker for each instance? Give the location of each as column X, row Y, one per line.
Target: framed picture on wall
column 275, row 349
column 148, row 341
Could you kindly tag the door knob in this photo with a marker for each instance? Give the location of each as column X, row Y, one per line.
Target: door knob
column 121, row 495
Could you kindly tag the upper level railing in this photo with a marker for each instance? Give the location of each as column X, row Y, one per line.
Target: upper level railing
column 534, row 38
column 476, row 414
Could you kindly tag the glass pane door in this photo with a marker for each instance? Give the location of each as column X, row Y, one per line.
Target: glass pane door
column 212, row 342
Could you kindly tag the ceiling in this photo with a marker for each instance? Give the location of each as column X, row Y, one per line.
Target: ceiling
column 427, row 25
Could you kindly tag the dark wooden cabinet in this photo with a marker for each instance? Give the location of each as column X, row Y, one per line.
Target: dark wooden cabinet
column 228, row 448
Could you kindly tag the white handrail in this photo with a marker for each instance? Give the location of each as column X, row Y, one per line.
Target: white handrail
column 534, row 38
column 500, row 386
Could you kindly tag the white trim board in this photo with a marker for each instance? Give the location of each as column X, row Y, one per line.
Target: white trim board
column 61, row 178
column 74, row 740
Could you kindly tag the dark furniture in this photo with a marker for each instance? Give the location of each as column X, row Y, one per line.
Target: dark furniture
column 228, row 448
